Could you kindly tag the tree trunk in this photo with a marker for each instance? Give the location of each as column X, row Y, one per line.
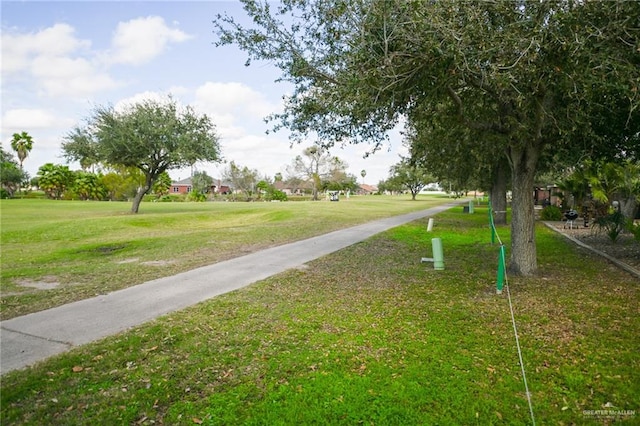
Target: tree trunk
column 628, row 207
column 523, row 237
column 148, row 184
column 498, row 195
column 316, row 184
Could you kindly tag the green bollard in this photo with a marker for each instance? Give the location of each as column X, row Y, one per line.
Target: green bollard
column 501, row 267
column 438, row 256
column 471, row 207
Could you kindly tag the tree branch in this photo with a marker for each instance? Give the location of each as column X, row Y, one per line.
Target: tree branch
column 476, row 125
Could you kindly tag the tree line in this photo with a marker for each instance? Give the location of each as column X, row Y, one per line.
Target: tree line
column 134, row 148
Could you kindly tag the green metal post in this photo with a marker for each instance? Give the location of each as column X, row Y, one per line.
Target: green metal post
column 438, row 256
column 501, row 268
column 491, row 224
column 471, row 207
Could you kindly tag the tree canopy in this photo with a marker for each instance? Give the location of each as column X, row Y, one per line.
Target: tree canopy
column 317, row 165
column 524, row 74
column 22, row 144
column 242, row 178
column 11, row 174
column 55, row 179
column 410, row 175
column 152, row 136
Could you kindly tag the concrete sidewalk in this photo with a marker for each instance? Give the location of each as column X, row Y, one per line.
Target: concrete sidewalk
column 35, row 337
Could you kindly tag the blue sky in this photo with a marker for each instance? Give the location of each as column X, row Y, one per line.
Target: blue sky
column 61, row 59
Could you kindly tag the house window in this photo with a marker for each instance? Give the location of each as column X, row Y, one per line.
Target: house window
column 176, row 189
column 188, row 189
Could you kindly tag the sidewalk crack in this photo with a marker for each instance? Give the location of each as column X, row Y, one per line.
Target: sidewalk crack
column 69, row 344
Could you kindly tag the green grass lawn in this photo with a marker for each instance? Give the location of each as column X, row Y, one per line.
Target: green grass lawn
column 83, row 249
column 368, row 335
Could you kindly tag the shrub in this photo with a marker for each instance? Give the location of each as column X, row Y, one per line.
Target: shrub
column 634, row 228
column 551, row 213
column 197, row 196
column 612, row 224
column 276, row 195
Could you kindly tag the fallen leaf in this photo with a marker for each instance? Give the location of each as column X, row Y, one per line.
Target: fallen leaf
column 77, row 369
column 197, row 421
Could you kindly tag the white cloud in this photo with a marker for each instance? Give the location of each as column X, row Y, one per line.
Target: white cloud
column 19, row 49
column 70, row 77
column 63, row 65
column 233, row 97
column 59, row 63
column 23, row 118
column 139, row 40
column 45, row 126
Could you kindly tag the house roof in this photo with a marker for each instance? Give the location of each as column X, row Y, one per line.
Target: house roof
column 186, row 181
column 369, row 188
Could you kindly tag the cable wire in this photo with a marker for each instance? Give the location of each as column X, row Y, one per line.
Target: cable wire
column 513, row 321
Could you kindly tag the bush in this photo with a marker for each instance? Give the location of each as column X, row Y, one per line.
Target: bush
column 634, row 228
column 276, row 195
column 35, row 195
column 612, row 224
column 197, row 196
column 552, row 213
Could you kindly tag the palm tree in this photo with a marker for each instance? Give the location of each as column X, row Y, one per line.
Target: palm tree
column 363, row 173
column 22, row 143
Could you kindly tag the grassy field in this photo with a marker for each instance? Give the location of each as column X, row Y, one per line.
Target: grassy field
column 82, row 249
column 368, row 335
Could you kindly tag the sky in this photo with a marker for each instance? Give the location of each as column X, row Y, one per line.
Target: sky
column 62, row 59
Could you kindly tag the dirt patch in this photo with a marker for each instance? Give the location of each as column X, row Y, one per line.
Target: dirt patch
column 44, row 283
column 625, row 248
column 158, row 263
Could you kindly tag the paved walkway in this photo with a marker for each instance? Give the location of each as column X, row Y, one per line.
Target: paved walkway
column 31, row 338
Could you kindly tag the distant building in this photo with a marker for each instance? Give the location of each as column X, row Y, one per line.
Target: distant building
column 365, row 189
column 184, row 186
column 547, row 195
column 290, row 188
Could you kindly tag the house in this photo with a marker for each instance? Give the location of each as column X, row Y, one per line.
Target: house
column 544, row 195
column 293, row 186
column 181, row 187
column 184, row 186
column 365, row 189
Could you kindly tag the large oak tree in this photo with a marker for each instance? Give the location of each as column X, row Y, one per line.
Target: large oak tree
column 521, row 71
column 152, row 136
